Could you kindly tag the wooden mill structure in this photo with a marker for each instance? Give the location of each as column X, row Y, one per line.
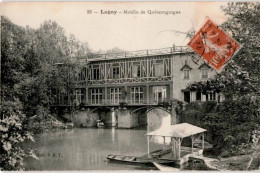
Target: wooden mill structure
column 140, row 80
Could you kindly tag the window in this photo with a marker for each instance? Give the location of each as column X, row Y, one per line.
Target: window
column 115, row 95
column 95, row 73
column 136, row 70
column 63, row 98
column 186, row 71
column 159, row 71
column 186, row 74
column 159, row 93
column 96, row 96
column 78, row 96
column 212, row 96
column 116, row 72
column 137, row 95
column 204, row 73
column 204, row 70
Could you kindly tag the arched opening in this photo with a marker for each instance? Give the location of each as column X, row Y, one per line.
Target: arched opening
column 158, row 118
column 107, row 115
column 102, row 108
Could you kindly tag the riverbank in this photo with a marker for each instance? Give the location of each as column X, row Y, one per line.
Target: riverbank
column 249, row 161
column 49, row 123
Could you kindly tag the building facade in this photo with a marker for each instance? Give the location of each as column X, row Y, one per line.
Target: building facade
column 122, row 88
column 143, row 78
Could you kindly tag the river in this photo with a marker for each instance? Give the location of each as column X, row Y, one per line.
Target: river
column 86, row 149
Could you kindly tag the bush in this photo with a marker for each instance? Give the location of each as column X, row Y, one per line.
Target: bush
column 13, row 133
column 229, row 123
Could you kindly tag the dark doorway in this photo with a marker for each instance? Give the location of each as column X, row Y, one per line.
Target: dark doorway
column 187, row 96
column 160, row 96
column 198, row 96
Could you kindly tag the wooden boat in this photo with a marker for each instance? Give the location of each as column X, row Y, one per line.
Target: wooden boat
column 165, row 168
column 138, row 160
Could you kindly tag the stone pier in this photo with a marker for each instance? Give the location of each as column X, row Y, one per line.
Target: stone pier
column 126, row 119
column 121, row 117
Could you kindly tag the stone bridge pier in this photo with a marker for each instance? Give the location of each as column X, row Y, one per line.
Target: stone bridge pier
column 122, row 117
column 138, row 116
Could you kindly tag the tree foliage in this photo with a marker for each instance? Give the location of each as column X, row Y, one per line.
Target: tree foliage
column 241, row 75
column 37, row 65
column 13, row 133
column 232, row 121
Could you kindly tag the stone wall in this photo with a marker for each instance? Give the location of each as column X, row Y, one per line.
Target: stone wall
column 126, row 119
column 142, row 118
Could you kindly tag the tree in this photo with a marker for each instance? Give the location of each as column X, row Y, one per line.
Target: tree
column 13, row 49
column 13, row 133
column 32, row 80
column 235, row 118
column 241, row 75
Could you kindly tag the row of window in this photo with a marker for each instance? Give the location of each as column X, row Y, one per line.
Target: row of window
column 198, row 96
column 136, row 71
column 204, row 73
column 159, row 71
column 136, row 95
column 116, row 95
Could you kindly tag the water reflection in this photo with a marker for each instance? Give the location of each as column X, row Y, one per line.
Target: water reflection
column 86, row 149
column 113, row 134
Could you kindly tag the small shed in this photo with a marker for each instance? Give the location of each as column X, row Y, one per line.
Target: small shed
column 177, row 133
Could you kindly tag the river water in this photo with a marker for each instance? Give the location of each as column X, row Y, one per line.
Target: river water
column 86, row 149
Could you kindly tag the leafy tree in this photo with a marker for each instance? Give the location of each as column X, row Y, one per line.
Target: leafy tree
column 236, row 117
column 12, row 57
column 13, row 133
column 37, row 65
column 241, row 76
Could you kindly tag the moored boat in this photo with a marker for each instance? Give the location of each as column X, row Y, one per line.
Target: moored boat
column 138, row 160
column 176, row 155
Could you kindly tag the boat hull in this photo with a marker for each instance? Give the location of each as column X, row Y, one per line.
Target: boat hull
column 138, row 160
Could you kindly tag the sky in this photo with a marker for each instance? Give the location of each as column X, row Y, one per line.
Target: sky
column 126, row 31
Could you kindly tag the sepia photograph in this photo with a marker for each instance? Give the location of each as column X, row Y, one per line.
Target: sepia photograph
column 130, row 86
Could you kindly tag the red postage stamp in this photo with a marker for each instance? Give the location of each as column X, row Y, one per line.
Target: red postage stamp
column 214, row 45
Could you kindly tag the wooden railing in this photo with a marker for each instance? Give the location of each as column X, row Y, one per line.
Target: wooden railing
column 107, row 102
column 145, row 101
column 141, row 53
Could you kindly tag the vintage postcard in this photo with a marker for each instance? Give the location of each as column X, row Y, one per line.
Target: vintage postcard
column 130, row 86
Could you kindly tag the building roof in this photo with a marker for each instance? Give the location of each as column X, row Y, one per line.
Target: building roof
column 140, row 53
column 204, row 65
column 186, row 67
column 181, row 130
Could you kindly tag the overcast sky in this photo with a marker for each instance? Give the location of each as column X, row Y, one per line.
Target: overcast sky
column 128, row 32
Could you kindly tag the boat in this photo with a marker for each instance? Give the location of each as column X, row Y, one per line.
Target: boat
column 176, row 155
column 100, row 124
column 138, row 160
column 165, row 168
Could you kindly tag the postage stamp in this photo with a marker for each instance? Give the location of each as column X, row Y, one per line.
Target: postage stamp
column 214, row 45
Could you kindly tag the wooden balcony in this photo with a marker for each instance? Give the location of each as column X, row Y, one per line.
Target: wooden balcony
column 126, row 102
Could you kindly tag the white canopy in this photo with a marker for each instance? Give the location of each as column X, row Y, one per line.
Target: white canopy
column 181, row 130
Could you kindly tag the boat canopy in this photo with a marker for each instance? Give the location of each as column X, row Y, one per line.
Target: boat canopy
column 181, row 130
